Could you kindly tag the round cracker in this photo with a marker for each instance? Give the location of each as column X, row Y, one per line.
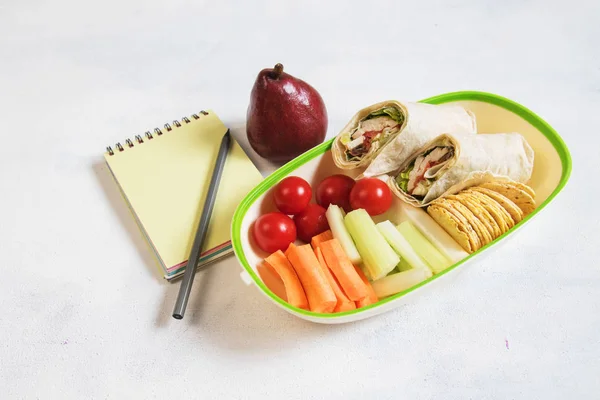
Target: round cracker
column 520, row 197
column 482, row 232
column 501, row 210
column 469, row 229
column 527, row 189
column 451, row 225
column 480, row 212
column 514, row 211
column 500, row 215
column 517, row 185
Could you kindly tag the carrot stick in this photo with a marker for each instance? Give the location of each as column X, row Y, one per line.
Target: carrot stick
column 371, row 298
column 293, row 288
column 343, row 302
column 364, row 302
column 321, row 297
column 320, row 238
column 343, row 270
column 270, row 278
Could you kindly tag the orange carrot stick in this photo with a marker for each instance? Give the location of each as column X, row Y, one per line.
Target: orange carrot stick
column 371, row 298
column 321, row 297
column 343, row 302
column 342, row 268
column 293, row 288
column 364, row 302
column 272, row 279
column 320, row 238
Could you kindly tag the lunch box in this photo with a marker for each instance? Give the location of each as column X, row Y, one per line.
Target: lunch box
column 494, row 113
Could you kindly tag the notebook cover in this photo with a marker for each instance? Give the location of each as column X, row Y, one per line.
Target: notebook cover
column 164, row 177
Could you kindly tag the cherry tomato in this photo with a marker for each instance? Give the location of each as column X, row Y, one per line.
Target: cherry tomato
column 311, row 222
column 371, row 194
column 274, row 231
column 292, row 195
column 335, row 189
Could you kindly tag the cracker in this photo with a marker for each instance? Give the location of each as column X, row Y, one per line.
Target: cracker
column 520, row 197
column 527, row 189
column 514, row 211
column 500, row 215
column 468, row 228
column 480, row 212
column 451, row 225
column 480, row 229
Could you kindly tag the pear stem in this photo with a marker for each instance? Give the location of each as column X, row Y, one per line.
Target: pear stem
column 277, row 71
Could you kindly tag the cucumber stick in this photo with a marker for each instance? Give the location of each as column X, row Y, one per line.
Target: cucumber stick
column 377, row 255
column 404, row 265
column 401, row 245
column 399, row 282
column 436, row 260
column 442, row 241
column 335, row 218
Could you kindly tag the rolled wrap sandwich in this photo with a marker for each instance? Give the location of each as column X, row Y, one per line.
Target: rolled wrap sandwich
column 452, row 162
column 405, row 126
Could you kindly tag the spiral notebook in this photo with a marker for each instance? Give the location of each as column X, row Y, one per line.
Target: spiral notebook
column 164, row 177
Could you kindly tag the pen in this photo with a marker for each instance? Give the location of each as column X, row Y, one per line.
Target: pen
column 190, row 269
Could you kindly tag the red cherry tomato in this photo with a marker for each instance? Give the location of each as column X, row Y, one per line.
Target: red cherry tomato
column 311, row 222
column 292, row 195
column 335, row 189
column 274, row 231
column 371, row 194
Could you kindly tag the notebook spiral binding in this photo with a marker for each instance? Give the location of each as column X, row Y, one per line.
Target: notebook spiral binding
column 150, row 135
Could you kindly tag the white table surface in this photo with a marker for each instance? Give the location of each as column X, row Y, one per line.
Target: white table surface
column 85, row 315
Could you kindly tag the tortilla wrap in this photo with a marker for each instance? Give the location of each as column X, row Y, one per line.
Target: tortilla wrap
column 452, row 162
column 424, row 123
column 416, row 124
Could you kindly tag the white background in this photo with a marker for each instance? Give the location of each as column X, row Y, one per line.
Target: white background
column 85, row 315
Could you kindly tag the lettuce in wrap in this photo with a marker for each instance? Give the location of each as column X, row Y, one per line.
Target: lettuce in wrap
column 371, row 133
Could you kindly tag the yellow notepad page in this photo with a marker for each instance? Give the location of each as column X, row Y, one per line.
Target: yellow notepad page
column 166, row 179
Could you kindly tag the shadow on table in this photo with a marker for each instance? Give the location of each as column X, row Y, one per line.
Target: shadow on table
column 126, row 219
column 224, row 312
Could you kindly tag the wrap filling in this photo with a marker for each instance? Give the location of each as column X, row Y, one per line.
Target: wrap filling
column 372, row 132
column 421, row 173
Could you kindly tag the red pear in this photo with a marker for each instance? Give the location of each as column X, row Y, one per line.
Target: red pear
column 286, row 116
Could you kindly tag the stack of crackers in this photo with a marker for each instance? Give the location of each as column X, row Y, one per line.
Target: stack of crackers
column 478, row 215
